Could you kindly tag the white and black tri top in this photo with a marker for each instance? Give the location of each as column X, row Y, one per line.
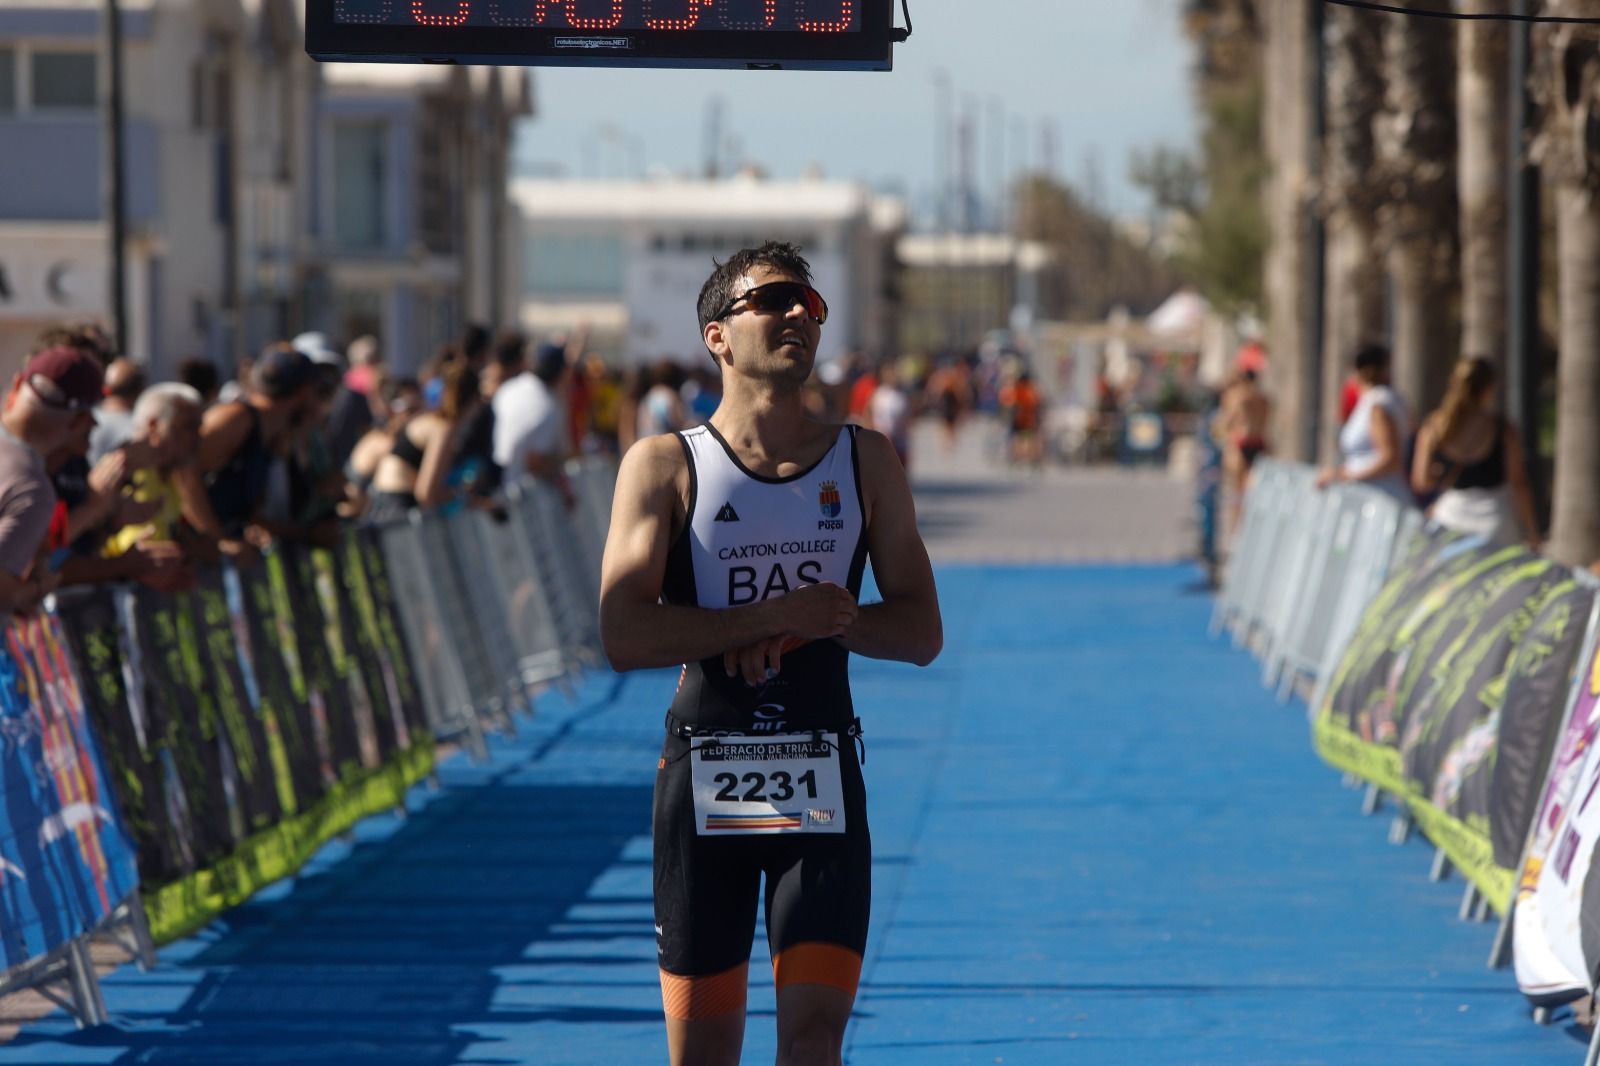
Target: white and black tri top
column 750, row 538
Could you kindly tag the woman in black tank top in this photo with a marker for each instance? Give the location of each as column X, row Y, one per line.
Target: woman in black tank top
column 416, row 470
column 1472, row 458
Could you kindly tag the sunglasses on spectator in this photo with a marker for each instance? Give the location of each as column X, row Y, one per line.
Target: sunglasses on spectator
column 780, row 297
column 50, row 394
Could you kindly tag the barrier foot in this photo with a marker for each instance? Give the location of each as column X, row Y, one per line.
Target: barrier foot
column 1500, row 953
column 1542, row 1015
column 1400, row 828
column 1469, row 901
column 1481, row 912
column 1372, row 800
column 1350, row 781
column 89, row 1007
column 1593, row 1057
column 144, row 948
column 1441, row 866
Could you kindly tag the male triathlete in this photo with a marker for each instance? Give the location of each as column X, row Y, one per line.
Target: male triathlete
column 738, row 548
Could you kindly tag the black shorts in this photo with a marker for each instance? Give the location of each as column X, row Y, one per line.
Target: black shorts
column 818, row 886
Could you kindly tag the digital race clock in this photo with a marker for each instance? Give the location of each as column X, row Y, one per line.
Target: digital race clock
column 753, row 34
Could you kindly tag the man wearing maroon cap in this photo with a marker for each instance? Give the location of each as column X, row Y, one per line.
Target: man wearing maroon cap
column 51, row 401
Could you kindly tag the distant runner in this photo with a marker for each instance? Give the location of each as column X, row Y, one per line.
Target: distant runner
column 738, row 548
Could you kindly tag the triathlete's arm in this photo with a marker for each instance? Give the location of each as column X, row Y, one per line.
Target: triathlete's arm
column 906, row 625
column 640, row 632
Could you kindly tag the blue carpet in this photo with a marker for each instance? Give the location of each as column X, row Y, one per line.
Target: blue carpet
column 1097, row 840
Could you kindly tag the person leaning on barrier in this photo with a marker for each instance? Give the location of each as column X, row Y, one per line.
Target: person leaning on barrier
column 166, row 427
column 416, row 470
column 224, row 488
column 1372, row 442
column 1471, row 456
column 737, row 549
column 49, row 404
column 396, row 401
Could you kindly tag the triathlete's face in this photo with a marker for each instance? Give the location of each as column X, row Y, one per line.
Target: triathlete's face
column 770, row 344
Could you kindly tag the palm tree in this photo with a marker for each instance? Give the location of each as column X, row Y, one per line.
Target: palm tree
column 1416, row 138
column 1482, row 92
column 1286, row 128
column 1566, row 86
column 1354, row 278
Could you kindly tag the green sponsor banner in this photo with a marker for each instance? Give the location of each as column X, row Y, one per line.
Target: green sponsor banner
column 179, row 908
column 1348, row 750
column 1469, row 847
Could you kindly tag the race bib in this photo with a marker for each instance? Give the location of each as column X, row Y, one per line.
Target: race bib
column 787, row 783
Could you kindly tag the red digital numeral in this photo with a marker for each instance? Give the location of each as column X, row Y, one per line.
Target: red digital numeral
column 768, row 17
column 590, row 22
column 846, row 9
column 684, row 22
column 419, row 12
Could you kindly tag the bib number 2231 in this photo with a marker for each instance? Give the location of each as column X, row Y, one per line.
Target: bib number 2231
column 780, row 784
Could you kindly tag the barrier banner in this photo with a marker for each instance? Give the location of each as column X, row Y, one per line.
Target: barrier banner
column 1541, row 676
column 1357, row 727
column 1547, row 939
column 65, row 858
column 141, row 767
column 280, row 685
column 1452, row 723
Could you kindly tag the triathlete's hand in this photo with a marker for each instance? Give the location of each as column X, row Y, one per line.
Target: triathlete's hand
column 817, row 612
column 757, row 663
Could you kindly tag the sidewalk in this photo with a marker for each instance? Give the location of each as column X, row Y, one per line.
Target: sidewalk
column 1098, row 841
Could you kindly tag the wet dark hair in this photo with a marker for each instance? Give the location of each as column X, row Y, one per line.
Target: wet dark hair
column 718, row 291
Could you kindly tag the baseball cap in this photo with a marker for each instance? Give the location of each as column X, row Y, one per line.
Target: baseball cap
column 77, row 377
column 282, row 371
column 315, row 347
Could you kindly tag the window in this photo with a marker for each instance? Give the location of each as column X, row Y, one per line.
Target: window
column 63, row 81
column 360, row 185
column 8, row 81
column 574, row 266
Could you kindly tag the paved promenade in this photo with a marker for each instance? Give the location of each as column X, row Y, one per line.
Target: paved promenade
column 1097, row 840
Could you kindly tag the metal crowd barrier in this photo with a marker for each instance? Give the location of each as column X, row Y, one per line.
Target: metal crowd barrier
column 499, row 603
column 1304, row 564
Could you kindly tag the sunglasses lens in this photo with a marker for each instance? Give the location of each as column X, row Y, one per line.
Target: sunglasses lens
column 782, row 295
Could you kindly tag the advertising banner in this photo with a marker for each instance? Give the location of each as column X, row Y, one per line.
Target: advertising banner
column 66, row 860
column 1546, row 935
column 1452, row 725
column 1358, row 725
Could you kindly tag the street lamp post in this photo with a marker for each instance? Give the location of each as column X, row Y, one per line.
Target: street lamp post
column 111, row 169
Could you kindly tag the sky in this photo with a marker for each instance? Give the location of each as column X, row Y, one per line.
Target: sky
column 1107, row 77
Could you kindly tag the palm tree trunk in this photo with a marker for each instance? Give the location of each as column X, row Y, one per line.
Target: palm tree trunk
column 1354, row 272
column 1482, row 96
column 1575, row 522
column 1417, row 149
column 1566, row 85
column 1287, row 128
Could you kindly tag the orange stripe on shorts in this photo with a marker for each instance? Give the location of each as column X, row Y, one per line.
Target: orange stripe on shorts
column 690, row 999
column 815, row 963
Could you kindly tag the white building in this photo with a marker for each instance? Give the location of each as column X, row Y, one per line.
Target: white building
column 250, row 180
column 629, row 258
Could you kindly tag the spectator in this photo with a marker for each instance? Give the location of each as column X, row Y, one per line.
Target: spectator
column 349, row 411
column 889, row 411
column 416, row 471
column 125, row 380
column 605, row 405
column 166, row 427
column 1019, row 400
column 50, row 403
column 1245, row 414
column 661, row 408
column 399, row 400
column 201, row 375
column 305, row 486
column 528, row 437
column 1372, row 442
column 223, row 491
column 236, row 390
column 1472, row 456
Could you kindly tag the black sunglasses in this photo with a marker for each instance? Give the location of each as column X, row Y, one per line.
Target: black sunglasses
column 780, row 296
